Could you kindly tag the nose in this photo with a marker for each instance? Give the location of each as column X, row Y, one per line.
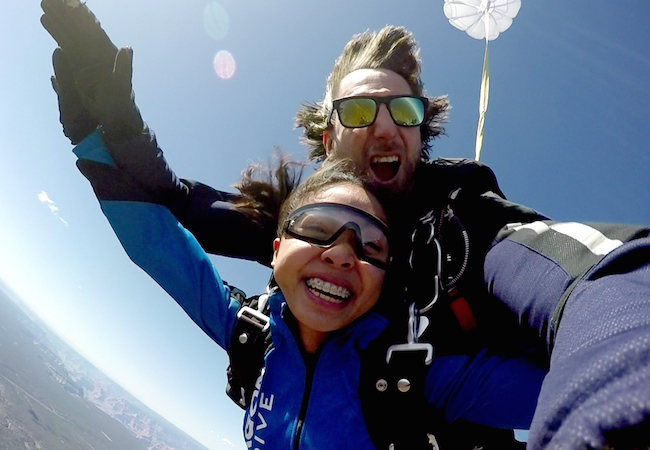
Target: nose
column 384, row 127
column 342, row 252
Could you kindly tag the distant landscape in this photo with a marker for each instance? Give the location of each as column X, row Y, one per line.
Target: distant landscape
column 52, row 398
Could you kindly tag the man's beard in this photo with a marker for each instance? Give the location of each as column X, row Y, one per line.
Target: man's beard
column 392, row 196
column 392, row 193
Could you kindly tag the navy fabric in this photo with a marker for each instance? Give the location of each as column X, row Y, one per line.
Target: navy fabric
column 600, row 366
column 530, row 284
column 598, row 385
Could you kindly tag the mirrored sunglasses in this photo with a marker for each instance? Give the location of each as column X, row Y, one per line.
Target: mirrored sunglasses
column 359, row 112
column 321, row 224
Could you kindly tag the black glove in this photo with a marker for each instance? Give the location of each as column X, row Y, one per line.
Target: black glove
column 74, row 27
column 76, row 119
column 101, row 73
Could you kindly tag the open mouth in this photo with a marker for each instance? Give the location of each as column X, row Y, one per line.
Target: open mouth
column 328, row 291
column 385, row 168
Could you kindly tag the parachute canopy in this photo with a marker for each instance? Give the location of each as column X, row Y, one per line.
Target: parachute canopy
column 482, row 19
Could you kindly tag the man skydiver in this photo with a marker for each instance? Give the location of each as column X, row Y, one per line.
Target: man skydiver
column 457, row 200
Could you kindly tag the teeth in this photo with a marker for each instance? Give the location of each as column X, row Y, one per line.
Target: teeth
column 328, row 291
column 385, row 159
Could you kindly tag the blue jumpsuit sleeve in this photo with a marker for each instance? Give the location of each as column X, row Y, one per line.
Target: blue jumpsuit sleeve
column 485, row 389
column 585, row 289
column 155, row 240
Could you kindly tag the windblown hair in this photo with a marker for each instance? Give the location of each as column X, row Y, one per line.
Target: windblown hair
column 392, row 48
column 270, row 193
column 263, row 189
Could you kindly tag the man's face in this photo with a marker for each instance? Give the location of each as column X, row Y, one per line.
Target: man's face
column 385, row 152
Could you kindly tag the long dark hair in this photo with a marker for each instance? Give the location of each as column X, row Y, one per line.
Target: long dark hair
column 263, row 188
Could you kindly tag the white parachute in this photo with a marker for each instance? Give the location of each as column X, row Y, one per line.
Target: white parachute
column 482, row 19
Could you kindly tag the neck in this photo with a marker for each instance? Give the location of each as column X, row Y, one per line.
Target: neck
column 311, row 339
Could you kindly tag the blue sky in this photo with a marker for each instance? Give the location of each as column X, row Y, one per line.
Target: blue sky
column 565, row 133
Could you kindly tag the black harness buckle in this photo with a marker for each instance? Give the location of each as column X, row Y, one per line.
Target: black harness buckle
column 254, row 317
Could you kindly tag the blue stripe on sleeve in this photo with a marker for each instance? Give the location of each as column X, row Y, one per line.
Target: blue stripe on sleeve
column 93, row 148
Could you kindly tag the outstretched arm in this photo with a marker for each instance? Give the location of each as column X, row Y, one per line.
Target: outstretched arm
column 155, row 241
column 93, row 85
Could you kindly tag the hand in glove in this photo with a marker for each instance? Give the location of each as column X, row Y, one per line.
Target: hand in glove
column 101, row 73
column 76, row 119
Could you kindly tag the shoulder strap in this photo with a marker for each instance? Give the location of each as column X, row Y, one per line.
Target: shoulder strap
column 439, row 257
column 251, row 341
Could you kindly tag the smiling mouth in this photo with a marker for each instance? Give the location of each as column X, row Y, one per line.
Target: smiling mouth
column 385, row 168
column 328, row 291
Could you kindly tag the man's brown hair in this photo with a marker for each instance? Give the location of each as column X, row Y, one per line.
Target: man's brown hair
column 391, row 48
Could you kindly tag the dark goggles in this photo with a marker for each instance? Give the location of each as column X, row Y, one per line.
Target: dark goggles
column 322, row 224
column 359, row 112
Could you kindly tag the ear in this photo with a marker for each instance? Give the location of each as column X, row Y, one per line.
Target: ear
column 276, row 247
column 327, row 144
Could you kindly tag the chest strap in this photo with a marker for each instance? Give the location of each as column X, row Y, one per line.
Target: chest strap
column 391, row 388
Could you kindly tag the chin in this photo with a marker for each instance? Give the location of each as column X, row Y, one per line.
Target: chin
column 393, row 190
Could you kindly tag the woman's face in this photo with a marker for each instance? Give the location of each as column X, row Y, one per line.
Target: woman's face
column 328, row 288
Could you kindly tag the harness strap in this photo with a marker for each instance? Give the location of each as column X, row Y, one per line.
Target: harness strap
column 251, row 341
column 392, row 393
column 462, row 310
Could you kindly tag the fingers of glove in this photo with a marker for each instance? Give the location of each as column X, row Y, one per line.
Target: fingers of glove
column 123, row 70
column 62, row 70
column 63, row 82
column 50, row 27
column 68, row 20
column 76, row 120
column 110, row 99
column 55, row 84
column 78, row 33
column 52, row 17
column 64, row 85
column 103, row 92
column 57, row 20
column 103, row 86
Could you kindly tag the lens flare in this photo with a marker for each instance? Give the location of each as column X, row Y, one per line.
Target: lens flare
column 224, row 65
column 215, row 20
